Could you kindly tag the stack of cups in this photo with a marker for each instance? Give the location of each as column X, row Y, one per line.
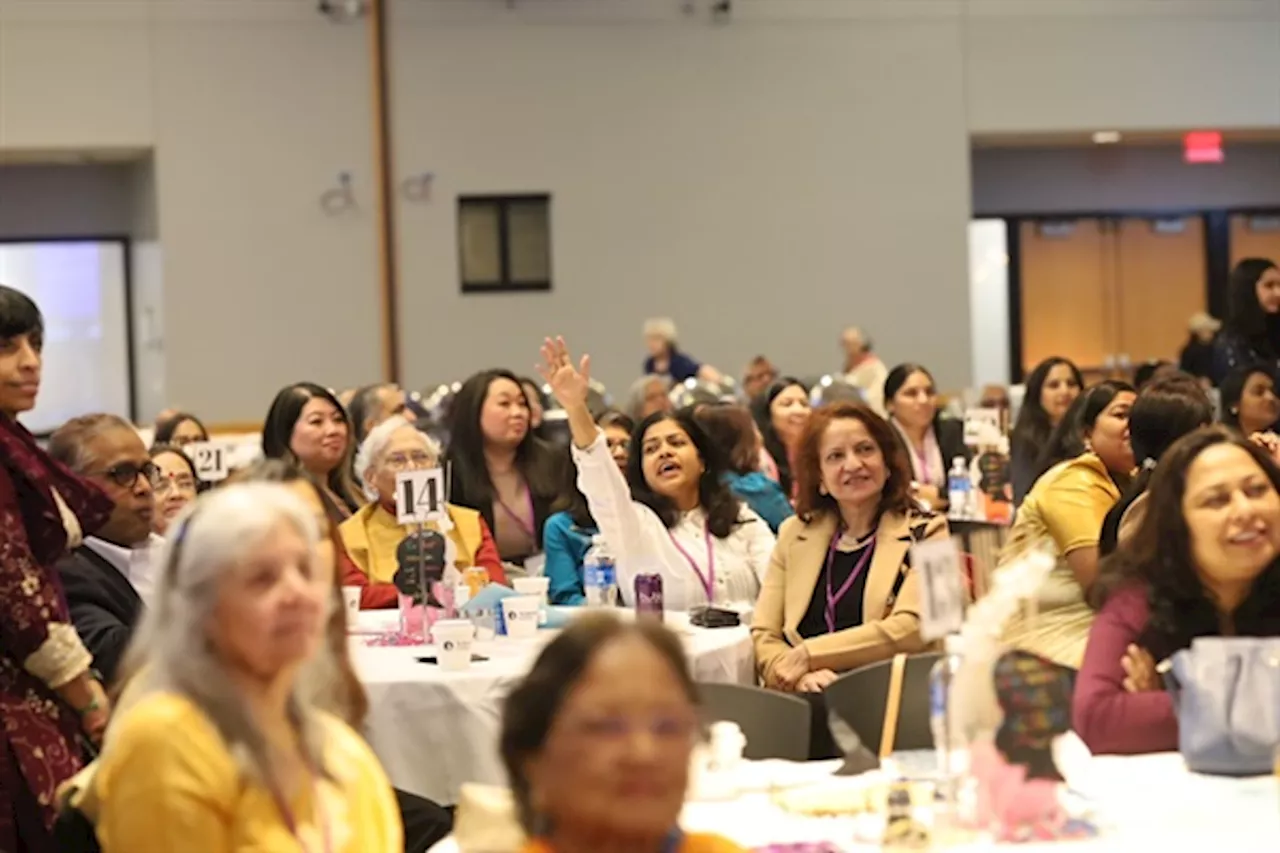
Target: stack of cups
column 453, row 639
column 539, row 587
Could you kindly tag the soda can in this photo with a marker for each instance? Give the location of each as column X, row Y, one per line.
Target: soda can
column 649, row 596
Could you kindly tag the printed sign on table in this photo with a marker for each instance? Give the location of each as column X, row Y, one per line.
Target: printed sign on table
column 419, row 495
column 942, row 587
column 212, row 460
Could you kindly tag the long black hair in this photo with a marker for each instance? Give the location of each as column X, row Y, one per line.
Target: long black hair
column 1231, row 391
column 277, row 434
column 1165, row 410
column 1245, row 317
column 1032, row 430
column 723, row 510
column 19, row 315
column 760, row 410
column 1160, row 558
column 545, row 469
column 1067, row 440
column 898, row 377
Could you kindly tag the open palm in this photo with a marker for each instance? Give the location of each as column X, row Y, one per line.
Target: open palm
column 569, row 384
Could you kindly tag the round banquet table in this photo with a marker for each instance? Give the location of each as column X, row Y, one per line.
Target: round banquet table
column 435, row 731
column 1148, row 802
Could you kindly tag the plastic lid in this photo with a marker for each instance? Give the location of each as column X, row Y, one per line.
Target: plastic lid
column 958, row 462
column 954, row 644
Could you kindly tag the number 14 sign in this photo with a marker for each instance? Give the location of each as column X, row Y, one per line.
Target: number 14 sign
column 419, row 495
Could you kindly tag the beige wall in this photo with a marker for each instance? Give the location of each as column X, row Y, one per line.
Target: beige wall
column 764, row 182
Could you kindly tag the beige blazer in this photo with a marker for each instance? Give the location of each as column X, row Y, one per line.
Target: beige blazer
column 889, row 626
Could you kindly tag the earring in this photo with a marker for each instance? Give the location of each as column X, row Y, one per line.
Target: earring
column 1235, row 410
column 822, row 488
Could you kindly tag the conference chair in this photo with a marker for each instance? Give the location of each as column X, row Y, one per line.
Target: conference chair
column 859, row 699
column 776, row 725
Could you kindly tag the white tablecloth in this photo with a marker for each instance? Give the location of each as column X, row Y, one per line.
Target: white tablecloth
column 1143, row 803
column 434, row 731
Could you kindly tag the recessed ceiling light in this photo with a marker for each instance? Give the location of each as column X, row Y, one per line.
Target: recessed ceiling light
column 1106, row 137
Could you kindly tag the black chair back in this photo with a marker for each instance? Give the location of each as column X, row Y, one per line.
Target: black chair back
column 858, row 698
column 776, row 725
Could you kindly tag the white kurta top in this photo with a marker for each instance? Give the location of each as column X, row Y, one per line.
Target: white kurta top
column 641, row 543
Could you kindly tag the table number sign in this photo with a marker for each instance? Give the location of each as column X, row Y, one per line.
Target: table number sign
column 982, row 427
column 942, row 589
column 419, row 495
column 212, row 460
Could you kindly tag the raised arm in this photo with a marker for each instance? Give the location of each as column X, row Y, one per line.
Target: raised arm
column 601, row 483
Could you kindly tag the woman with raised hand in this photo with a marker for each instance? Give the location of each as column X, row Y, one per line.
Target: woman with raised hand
column 673, row 514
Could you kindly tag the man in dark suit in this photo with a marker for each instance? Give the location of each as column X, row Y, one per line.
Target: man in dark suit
column 107, row 578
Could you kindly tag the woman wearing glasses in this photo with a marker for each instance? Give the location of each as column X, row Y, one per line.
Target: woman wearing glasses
column 597, row 738
column 49, row 700
column 372, row 535
column 175, row 485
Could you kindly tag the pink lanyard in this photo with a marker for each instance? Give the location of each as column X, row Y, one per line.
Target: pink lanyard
column 922, row 458
column 526, row 526
column 287, row 814
column 709, row 579
column 834, row 599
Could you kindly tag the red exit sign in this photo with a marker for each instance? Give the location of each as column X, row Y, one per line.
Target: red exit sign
column 1203, row 146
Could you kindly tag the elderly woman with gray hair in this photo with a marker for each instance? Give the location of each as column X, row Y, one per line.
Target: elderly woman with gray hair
column 372, row 535
column 666, row 359
column 224, row 747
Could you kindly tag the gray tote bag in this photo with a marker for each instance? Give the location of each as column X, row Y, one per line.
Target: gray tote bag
column 1227, row 694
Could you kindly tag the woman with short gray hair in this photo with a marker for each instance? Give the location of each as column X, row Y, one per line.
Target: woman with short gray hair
column 373, row 534
column 666, row 359
column 224, row 747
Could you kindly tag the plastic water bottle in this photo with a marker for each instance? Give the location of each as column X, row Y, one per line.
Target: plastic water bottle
column 948, row 736
column 600, row 575
column 959, row 489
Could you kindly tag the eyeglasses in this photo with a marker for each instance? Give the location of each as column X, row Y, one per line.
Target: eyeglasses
column 165, row 484
column 670, row 729
column 402, row 461
column 126, row 473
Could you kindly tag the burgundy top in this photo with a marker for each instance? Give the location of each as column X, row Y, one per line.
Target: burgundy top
column 1108, row 718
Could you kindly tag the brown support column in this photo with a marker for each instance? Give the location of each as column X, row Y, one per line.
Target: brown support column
column 385, row 191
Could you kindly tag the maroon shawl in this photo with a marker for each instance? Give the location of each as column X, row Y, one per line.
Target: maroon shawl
column 38, row 732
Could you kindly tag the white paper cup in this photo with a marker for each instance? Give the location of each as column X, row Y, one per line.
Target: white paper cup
column 351, row 601
column 453, row 640
column 520, row 614
column 540, row 587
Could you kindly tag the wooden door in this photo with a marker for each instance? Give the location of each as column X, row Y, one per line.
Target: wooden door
column 1255, row 237
column 1161, row 282
column 1065, row 273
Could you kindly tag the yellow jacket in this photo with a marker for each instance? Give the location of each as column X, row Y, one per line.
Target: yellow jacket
column 168, row 783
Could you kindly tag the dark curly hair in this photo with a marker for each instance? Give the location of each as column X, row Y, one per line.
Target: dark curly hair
column 1159, row 557
column 723, row 510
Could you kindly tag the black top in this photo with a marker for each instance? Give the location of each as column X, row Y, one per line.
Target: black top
column 104, row 606
column 849, row 607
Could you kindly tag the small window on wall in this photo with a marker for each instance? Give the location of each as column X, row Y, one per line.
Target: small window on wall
column 504, row 243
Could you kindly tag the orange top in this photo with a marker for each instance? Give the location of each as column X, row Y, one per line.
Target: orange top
column 691, row 843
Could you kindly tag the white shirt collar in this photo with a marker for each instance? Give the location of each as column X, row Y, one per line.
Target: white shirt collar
column 135, row 564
